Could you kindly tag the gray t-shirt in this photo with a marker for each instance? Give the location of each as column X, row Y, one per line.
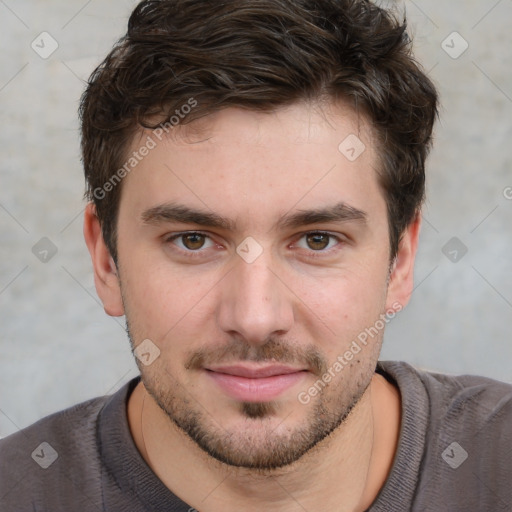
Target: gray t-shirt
column 454, row 453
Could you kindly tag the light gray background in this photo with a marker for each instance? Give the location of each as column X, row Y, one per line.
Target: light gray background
column 58, row 347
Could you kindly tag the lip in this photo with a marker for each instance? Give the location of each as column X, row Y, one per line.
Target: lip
column 255, row 384
column 254, row 372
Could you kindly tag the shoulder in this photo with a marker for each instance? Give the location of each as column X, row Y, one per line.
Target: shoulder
column 467, row 459
column 454, row 397
column 66, row 427
column 57, row 452
column 471, row 400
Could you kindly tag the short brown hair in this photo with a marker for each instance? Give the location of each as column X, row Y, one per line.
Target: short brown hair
column 261, row 54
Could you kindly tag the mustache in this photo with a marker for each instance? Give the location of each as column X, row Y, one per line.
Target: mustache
column 272, row 351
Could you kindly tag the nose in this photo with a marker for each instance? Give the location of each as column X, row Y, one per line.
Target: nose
column 255, row 302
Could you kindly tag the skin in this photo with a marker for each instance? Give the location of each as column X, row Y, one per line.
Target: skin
column 297, row 299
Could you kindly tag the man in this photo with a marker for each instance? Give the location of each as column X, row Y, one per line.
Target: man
column 255, row 174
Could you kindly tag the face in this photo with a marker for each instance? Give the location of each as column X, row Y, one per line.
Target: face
column 253, row 253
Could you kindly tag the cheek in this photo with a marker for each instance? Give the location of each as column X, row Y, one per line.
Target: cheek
column 162, row 301
column 337, row 309
column 356, row 291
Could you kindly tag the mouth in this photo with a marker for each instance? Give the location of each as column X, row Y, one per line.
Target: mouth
column 251, row 383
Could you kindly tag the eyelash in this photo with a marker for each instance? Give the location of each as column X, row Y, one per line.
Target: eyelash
column 198, row 253
column 318, row 254
column 188, row 253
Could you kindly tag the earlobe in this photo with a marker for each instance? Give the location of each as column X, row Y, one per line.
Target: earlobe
column 106, row 277
column 401, row 281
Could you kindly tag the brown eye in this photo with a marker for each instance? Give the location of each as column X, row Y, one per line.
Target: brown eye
column 193, row 241
column 317, row 241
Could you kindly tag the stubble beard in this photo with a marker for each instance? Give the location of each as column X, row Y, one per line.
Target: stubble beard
column 261, row 443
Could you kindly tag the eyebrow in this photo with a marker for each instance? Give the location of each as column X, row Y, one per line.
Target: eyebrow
column 173, row 212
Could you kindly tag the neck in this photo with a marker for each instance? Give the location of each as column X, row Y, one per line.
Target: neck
column 344, row 472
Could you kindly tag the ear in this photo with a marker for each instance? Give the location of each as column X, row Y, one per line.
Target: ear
column 106, row 279
column 401, row 281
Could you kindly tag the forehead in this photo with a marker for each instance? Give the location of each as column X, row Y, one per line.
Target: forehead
column 242, row 160
column 300, row 122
